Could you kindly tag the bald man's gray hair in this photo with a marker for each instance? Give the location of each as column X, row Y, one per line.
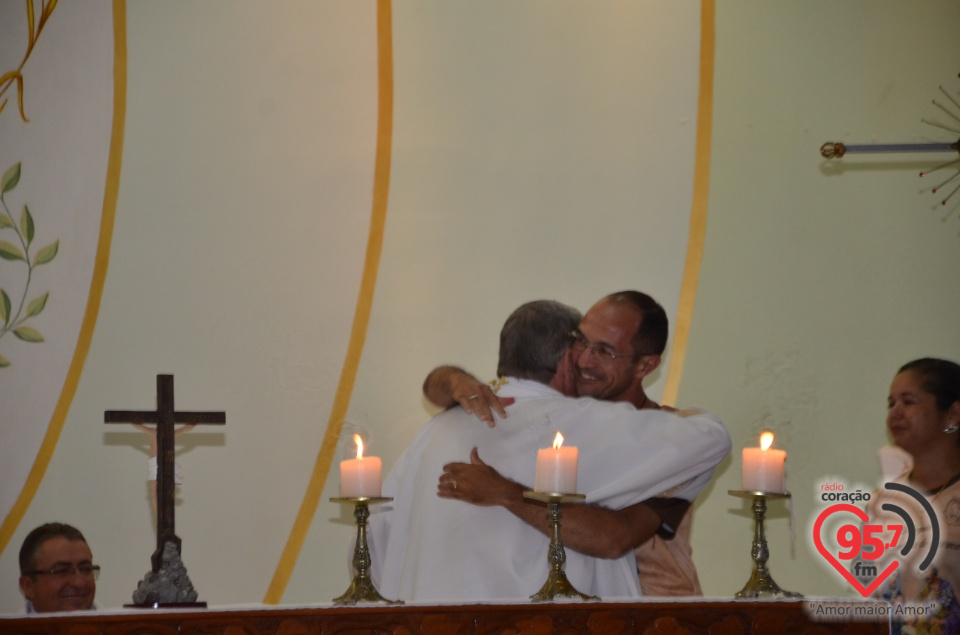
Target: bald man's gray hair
column 534, row 339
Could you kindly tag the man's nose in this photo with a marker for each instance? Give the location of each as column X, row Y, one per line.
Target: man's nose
column 584, row 357
column 76, row 574
column 76, row 577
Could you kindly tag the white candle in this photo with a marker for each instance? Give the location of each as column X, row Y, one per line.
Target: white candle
column 557, row 468
column 763, row 467
column 360, row 477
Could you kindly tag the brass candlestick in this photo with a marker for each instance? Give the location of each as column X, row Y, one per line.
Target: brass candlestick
column 361, row 589
column 761, row 584
column 557, row 584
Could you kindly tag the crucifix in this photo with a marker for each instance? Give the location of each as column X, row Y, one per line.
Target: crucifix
column 165, row 417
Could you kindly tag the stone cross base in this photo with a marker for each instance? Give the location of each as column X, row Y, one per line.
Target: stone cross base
column 170, row 585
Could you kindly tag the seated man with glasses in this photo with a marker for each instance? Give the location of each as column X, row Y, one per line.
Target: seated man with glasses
column 56, row 570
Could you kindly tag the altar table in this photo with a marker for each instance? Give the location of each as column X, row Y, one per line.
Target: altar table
column 714, row 617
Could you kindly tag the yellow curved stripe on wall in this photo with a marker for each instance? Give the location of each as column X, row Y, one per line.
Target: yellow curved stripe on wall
column 698, row 211
column 111, row 187
column 361, row 316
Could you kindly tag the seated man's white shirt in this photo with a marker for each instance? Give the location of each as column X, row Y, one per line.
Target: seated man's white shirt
column 426, row 548
column 29, row 609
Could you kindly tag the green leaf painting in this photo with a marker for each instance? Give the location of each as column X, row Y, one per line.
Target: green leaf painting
column 46, row 254
column 9, row 251
column 5, row 307
column 36, row 305
column 15, row 247
column 10, row 178
column 28, row 334
column 26, row 224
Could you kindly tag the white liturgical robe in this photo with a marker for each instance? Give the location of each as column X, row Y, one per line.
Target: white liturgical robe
column 429, row 549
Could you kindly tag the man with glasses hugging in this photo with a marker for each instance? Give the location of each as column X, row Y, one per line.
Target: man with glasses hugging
column 619, row 342
column 56, row 570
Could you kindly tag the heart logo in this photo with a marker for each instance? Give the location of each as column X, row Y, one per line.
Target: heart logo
column 862, row 515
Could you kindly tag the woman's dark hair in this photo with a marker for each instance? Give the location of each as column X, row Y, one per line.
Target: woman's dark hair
column 939, row 377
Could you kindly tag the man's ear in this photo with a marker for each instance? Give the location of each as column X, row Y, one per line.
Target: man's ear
column 26, row 587
column 647, row 364
column 563, row 380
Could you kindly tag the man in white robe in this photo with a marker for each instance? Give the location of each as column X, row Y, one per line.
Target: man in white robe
column 431, row 549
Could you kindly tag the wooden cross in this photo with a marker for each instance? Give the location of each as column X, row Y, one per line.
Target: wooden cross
column 165, row 417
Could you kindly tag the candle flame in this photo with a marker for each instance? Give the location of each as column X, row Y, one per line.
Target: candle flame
column 766, row 440
column 359, row 442
column 557, row 441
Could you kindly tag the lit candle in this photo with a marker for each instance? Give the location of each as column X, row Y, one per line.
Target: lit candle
column 557, row 468
column 763, row 467
column 360, row 477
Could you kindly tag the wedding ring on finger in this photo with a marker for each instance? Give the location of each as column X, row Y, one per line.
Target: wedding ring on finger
column 473, row 396
column 454, row 484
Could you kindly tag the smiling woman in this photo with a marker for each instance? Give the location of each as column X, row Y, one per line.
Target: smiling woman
column 924, row 406
column 924, row 419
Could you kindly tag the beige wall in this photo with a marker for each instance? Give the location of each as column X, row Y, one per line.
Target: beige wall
column 818, row 278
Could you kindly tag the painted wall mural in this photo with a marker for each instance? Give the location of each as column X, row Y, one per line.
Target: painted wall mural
column 319, row 202
column 56, row 122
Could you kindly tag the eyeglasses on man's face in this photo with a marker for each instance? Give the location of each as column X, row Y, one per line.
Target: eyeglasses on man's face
column 600, row 351
column 64, row 571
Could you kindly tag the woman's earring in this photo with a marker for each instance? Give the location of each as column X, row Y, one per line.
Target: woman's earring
column 953, row 427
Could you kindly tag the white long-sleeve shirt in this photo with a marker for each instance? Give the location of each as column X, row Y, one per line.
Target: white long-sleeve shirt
column 430, row 549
